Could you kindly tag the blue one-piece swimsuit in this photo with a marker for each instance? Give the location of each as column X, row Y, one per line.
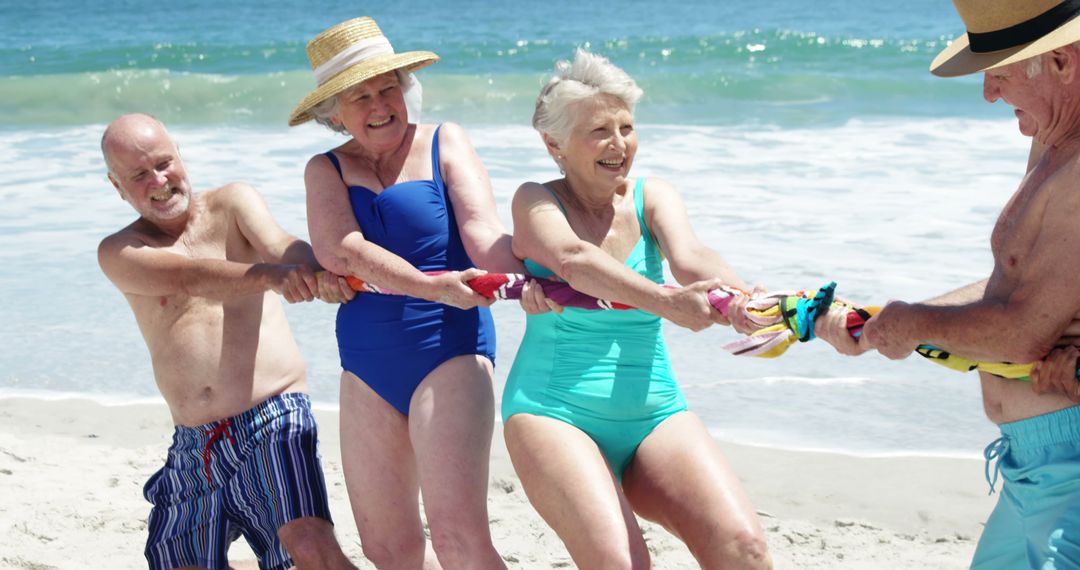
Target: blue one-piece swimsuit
column 392, row 342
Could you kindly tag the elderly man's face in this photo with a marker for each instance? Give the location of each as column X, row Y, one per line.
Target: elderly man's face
column 1029, row 96
column 145, row 167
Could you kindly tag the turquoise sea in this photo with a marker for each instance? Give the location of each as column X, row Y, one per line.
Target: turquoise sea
column 808, row 138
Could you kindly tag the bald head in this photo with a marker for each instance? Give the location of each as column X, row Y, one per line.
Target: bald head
column 129, row 133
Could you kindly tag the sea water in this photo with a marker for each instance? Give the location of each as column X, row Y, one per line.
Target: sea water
column 807, row 138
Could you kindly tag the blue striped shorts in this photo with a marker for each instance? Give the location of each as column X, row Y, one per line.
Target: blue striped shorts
column 246, row 475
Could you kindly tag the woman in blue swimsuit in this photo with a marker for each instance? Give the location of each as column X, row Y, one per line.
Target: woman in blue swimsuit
column 396, row 200
column 595, row 423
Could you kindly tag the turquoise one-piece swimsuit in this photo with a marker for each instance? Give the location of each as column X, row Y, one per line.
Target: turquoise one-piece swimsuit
column 606, row 373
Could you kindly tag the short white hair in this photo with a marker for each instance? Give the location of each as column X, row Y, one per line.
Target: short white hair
column 587, row 76
column 1034, row 65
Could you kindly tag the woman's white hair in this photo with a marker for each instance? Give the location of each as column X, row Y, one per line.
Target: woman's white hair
column 325, row 111
column 587, row 76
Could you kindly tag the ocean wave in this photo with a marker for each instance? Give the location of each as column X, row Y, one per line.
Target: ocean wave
column 719, row 95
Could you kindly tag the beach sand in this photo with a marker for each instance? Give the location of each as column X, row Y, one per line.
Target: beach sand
column 72, row 473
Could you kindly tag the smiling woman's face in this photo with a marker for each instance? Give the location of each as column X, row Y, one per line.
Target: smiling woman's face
column 374, row 112
column 602, row 143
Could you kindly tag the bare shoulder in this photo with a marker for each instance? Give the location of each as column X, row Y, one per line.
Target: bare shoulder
column 659, row 194
column 232, row 194
column 654, row 187
column 121, row 253
column 530, row 193
column 452, row 134
column 233, row 200
column 130, row 236
column 454, row 143
column 1064, row 188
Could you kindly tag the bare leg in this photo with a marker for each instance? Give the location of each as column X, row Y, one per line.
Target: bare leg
column 380, row 474
column 570, row 484
column 311, row 543
column 680, row 479
column 451, row 417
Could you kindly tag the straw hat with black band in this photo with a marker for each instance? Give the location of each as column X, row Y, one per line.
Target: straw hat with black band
column 1000, row 32
column 349, row 54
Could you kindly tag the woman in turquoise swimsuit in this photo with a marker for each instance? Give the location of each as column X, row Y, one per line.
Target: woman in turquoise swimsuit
column 596, row 425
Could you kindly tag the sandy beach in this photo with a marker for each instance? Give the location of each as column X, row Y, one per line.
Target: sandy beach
column 72, row 473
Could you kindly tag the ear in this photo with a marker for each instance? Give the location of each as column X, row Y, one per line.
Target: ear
column 552, row 145
column 1065, row 62
column 117, row 186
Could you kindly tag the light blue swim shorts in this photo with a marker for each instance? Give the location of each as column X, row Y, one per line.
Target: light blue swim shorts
column 1036, row 523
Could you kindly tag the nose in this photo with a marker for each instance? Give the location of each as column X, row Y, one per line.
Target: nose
column 991, row 90
column 161, row 177
column 618, row 141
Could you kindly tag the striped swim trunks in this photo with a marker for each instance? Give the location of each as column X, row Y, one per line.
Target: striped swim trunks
column 245, row 475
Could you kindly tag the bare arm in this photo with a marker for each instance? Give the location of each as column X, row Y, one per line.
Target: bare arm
column 139, row 269
column 275, row 245
column 966, row 294
column 1020, row 328
column 689, row 259
column 542, row 233
column 482, row 232
column 339, row 245
column 258, row 226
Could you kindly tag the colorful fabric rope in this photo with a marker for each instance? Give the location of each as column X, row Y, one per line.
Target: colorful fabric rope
column 770, row 341
column 785, row 318
column 503, row 286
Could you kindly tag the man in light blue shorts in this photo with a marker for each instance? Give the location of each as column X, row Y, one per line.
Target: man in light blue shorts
column 203, row 272
column 1031, row 61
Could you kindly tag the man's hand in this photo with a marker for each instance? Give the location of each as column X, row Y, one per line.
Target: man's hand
column 886, row 331
column 333, row 288
column 295, row 282
column 1057, row 373
column 832, row 328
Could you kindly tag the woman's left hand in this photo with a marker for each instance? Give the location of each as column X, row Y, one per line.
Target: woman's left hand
column 737, row 317
column 533, row 300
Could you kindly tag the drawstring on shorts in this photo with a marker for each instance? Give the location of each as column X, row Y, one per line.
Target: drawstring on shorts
column 994, row 452
column 215, row 434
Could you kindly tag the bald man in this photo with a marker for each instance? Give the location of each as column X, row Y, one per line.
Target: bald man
column 204, row 273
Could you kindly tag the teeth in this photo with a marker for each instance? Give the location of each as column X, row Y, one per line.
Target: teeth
column 612, row 162
column 381, row 123
column 165, row 194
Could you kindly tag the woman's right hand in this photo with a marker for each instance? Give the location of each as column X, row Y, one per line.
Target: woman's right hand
column 452, row 288
column 689, row 306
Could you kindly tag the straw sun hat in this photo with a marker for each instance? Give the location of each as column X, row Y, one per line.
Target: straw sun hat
column 349, row 54
column 1000, row 32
